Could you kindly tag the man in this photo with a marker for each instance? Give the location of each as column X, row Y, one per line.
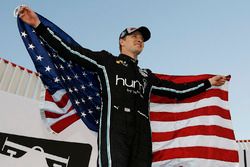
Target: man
column 124, row 138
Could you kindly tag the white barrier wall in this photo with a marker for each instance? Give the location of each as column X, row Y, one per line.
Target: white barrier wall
column 20, row 116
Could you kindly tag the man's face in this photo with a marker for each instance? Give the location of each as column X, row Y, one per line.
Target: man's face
column 133, row 43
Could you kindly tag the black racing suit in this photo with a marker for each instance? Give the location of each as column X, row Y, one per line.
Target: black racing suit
column 124, row 138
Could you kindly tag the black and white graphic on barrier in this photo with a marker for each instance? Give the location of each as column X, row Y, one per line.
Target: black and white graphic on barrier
column 23, row 151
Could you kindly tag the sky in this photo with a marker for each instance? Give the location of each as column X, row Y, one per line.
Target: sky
column 189, row 37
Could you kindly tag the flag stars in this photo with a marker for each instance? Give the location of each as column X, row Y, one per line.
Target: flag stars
column 90, row 111
column 77, row 102
column 68, row 78
column 97, row 94
column 39, row 58
column 70, row 90
column 31, row 46
column 83, row 114
column 47, row 68
column 75, row 89
column 84, row 74
column 76, row 76
column 90, row 84
column 61, row 67
column 83, row 87
column 69, row 65
column 97, row 122
column 83, row 100
column 56, row 80
column 97, row 108
column 90, row 98
column 23, row 34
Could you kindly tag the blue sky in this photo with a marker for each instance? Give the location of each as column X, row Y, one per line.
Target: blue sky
column 188, row 37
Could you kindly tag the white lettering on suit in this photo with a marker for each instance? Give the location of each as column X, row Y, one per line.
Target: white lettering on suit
column 135, row 84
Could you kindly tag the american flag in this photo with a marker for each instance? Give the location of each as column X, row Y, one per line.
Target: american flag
column 193, row 132
column 190, row 133
column 63, row 101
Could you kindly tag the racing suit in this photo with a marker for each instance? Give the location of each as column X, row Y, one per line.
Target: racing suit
column 124, row 138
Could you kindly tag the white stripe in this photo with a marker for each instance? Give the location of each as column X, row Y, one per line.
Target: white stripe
column 194, row 162
column 52, row 107
column 57, row 96
column 109, row 97
column 158, row 126
column 178, row 91
column 198, row 140
column 212, row 101
column 51, row 121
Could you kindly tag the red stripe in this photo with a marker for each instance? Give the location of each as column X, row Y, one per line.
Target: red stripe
column 184, row 79
column 204, row 111
column 207, row 94
column 49, row 114
column 188, row 78
column 194, row 130
column 61, row 104
column 197, row 152
column 64, row 123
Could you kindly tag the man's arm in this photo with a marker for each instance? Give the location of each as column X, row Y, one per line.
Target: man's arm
column 77, row 54
column 181, row 91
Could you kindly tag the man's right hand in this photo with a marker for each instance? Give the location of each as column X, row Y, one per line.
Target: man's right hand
column 28, row 16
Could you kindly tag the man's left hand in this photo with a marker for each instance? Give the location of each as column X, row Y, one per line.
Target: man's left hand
column 217, row 80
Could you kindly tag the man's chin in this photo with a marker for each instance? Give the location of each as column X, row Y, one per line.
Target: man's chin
column 138, row 52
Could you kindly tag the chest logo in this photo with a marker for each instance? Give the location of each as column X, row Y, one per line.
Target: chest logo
column 122, row 62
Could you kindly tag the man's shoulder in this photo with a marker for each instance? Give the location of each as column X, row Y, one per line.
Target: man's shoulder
column 105, row 53
column 145, row 72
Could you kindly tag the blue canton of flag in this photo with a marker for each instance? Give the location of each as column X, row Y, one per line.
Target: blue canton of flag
column 71, row 92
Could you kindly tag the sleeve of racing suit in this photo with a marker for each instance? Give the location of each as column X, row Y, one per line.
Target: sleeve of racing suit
column 85, row 57
column 177, row 91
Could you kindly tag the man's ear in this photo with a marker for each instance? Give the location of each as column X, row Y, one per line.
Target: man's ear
column 121, row 41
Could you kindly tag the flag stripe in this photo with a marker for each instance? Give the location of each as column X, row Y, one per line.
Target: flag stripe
column 204, row 111
column 50, row 106
column 60, row 103
column 180, row 107
column 196, row 152
column 196, row 140
column 194, row 130
column 196, row 121
column 50, row 114
column 210, row 93
column 194, row 162
column 61, row 124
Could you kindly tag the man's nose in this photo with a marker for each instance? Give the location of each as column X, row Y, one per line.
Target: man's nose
column 139, row 39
